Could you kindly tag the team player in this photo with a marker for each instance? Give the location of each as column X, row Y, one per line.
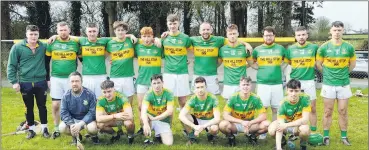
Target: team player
column 121, row 50
column 114, row 110
column 63, row 52
column 301, row 56
column 336, row 59
column 29, row 74
column 205, row 113
column 175, row 66
column 157, row 112
column 268, row 58
column 240, row 114
column 235, row 58
column 293, row 116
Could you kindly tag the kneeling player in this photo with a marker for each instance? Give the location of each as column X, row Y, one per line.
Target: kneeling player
column 114, row 110
column 205, row 115
column 293, row 116
column 156, row 111
column 239, row 113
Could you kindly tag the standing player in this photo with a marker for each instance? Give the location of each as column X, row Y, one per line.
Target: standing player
column 149, row 61
column 336, row 59
column 122, row 53
column 63, row 53
column 235, row 58
column 268, row 58
column 239, row 114
column 175, row 66
column 29, row 74
column 114, row 110
column 301, row 56
column 157, row 111
column 205, row 113
column 293, row 116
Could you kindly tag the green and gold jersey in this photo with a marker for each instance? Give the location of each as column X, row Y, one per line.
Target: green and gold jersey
column 157, row 104
column 64, row 57
column 235, row 62
column 175, row 52
column 149, row 62
column 203, row 109
column 206, row 54
column 302, row 60
column 269, row 59
column 336, row 60
column 122, row 53
column 291, row 112
column 117, row 105
column 93, row 55
column 244, row 109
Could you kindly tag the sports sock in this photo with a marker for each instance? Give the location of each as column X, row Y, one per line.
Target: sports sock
column 312, row 128
column 343, row 134
column 56, row 128
column 326, row 133
column 43, row 126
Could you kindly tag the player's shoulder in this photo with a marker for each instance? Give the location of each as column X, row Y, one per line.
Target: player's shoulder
column 88, row 92
column 292, row 46
column 212, row 96
column 259, row 47
column 119, row 95
column 304, row 97
column 347, row 44
column 325, row 44
column 166, row 91
column 283, row 102
column 254, row 96
column 234, row 96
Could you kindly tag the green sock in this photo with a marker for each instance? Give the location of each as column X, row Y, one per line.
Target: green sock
column 312, row 128
column 343, row 134
column 326, row 133
column 56, row 127
column 191, row 135
column 303, row 143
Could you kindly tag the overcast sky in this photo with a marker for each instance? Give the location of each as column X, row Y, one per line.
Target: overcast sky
column 354, row 12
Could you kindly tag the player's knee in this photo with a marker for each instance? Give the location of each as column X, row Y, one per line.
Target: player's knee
column 55, row 106
column 342, row 111
column 223, row 124
column 304, row 130
column 214, row 128
column 264, row 124
column 168, row 142
column 328, row 112
column 100, row 125
column 129, row 124
column 272, row 128
column 92, row 128
column 63, row 128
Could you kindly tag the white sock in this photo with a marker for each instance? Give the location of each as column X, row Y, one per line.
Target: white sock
column 32, row 128
column 43, row 126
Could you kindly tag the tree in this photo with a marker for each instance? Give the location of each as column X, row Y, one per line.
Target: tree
column 39, row 14
column 76, row 17
column 238, row 11
column 111, row 10
column 187, row 16
column 5, row 21
column 321, row 28
column 304, row 13
column 286, row 8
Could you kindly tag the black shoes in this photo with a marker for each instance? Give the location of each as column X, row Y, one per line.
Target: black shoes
column 95, row 140
column 55, row 134
column 232, row 141
column 45, row 133
column 252, row 139
column 31, row 134
column 130, row 140
column 326, row 141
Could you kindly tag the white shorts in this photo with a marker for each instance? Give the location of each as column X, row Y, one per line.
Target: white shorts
column 239, row 127
column 309, row 88
column 229, row 90
column 212, row 83
column 93, row 82
column 336, row 92
column 124, row 85
column 270, row 95
column 58, row 87
column 160, row 127
column 177, row 83
column 201, row 122
column 142, row 89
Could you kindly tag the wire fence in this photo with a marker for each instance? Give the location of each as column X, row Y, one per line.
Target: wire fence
column 358, row 77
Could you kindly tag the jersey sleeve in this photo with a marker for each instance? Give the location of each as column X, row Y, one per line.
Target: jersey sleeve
column 170, row 99
column 255, row 54
column 48, row 50
column 100, row 106
column 190, row 105
column 126, row 103
column 281, row 111
column 228, row 107
column 259, row 106
column 306, row 104
column 188, row 42
column 284, row 51
column 287, row 58
column 216, row 104
column 146, row 99
column 221, row 40
column 321, row 53
column 352, row 54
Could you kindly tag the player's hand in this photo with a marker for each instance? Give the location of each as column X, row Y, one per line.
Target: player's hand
column 281, row 127
column 75, row 128
column 151, row 117
column 16, row 87
column 51, row 39
column 119, row 116
column 147, row 130
column 165, row 34
column 198, row 129
column 48, row 84
column 133, row 39
column 110, row 61
column 126, row 116
column 157, row 42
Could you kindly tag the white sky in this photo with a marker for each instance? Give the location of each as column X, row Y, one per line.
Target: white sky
column 354, row 13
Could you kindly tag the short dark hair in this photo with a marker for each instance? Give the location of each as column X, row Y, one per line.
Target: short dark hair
column 294, row 84
column 337, row 24
column 107, row 84
column 301, row 28
column 244, row 78
column 92, row 25
column 200, row 80
column 156, row 76
column 75, row 73
column 232, row 27
column 32, row 28
column 117, row 24
column 269, row 29
column 172, row 17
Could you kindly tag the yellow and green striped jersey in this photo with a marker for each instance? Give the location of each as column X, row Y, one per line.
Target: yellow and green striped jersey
column 64, row 57
column 269, row 59
column 117, row 105
column 302, row 60
column 122, row 53
column 291, row 112
column 158, row 103
column 244, row 109
column 206, row 54
column 235, row 62
column 203, row 109
column 336, row 60
column 93, row 55
column 175, row 53
column 149, row 62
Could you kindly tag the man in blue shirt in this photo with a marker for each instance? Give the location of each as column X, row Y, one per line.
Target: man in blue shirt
column 78, row 111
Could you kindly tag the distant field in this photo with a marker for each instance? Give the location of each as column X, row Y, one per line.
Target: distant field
column 364, row 36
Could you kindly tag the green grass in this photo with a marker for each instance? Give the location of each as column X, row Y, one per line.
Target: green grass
column 360, row 36
column 13, row 114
